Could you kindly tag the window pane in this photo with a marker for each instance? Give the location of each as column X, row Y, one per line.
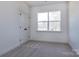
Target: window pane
column 55, row 16
column 42, row 26
column 43, row 16
column 54, row 26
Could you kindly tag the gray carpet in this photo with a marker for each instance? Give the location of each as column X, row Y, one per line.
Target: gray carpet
column 41, row 49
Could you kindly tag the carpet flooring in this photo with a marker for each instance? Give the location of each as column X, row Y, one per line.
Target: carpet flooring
column 41, row 49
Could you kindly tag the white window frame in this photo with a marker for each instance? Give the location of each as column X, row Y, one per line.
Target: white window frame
column 48, row 23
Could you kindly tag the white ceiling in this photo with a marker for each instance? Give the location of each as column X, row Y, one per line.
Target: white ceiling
column 40, row 3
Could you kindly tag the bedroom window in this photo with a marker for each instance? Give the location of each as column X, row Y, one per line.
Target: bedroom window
column 49, row 21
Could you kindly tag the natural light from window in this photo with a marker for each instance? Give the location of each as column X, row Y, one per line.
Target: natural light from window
column 49, row 21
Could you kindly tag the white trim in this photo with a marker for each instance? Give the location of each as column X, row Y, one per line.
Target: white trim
column 76, row 50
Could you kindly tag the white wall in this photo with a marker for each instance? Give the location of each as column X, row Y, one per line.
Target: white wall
column 9, row 31
column 24, row 22
column 50, row 36
column 74, row 25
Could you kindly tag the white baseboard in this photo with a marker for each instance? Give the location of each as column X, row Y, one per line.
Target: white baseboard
column 9, row 49
column 12, row 48
column 76, row 50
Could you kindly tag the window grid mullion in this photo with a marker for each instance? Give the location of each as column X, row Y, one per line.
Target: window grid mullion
column 48, row 21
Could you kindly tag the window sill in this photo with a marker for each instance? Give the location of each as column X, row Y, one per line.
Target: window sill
column 51, row 31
